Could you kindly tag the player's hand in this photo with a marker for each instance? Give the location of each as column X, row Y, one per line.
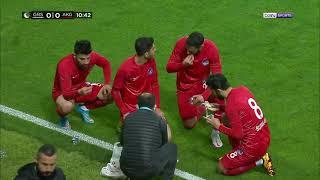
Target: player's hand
column 197, row 99
column 213, row 121
column 85, row 90
column 188, row 61
column 125, row 115
column 160, row 113
column 214, row 107
column 106, row 90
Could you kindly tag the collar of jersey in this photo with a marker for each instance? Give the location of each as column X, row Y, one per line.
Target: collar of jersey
column 145, row 108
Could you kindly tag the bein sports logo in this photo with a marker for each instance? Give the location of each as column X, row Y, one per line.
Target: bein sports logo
column 269, row 15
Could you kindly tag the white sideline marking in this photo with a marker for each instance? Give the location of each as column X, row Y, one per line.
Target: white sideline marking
column 82, row 137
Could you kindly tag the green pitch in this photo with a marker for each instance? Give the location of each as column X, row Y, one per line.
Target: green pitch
column 278, row 59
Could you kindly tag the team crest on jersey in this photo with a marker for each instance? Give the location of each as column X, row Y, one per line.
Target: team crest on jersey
column 205, row 62
column 150, row 71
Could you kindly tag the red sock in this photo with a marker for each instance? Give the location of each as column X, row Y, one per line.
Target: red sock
column 239, row 170
column 95, row 104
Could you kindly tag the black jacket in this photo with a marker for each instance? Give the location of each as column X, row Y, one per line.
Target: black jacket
column 143, row 133
column 30, row 172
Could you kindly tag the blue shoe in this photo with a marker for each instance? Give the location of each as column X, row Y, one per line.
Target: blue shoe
column 64, row 123
column 84, row 113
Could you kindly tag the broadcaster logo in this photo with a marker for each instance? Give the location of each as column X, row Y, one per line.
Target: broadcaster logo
column 272, row 15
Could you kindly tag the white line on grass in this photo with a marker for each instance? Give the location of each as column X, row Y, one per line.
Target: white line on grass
column 83, row 137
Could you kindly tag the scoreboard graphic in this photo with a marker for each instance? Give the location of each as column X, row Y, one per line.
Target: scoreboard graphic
column 56, row 15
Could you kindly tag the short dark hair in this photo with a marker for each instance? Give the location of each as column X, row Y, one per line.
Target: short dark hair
column 46, row 149
column 195, row 39
column 143, row 45
column 217, row 81
column 146, row 100
column 82, row 47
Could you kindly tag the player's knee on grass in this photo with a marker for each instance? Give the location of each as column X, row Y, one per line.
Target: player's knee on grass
column 189, row 123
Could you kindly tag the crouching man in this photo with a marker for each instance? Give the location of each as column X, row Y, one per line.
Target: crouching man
column 145, row 138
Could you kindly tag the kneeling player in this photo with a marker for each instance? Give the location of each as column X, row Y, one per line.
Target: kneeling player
column 70, row 86
column 248, row 129
column 193, row 59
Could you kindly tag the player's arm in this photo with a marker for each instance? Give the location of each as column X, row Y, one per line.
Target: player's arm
column 66, row 83
column 206, row 94
column 236, row 126
column 104, row 64
column 215, row 67
column 215, row 61
column 166, row 135
column 175, row 61
column 156, row 86
column 118, row 85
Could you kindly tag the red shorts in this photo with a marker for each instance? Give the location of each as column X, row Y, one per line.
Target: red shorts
column 241, row 156
column 238, row 157
column 82, row 99
column 187, row 110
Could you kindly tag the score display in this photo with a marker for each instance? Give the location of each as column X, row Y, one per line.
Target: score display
column 56, row 15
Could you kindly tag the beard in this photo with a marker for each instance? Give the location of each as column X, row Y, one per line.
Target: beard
column 219, row 96
column 195, row 53
column 83, row 67
column 148, row 57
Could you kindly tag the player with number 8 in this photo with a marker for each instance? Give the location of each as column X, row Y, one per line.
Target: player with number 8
column 248, row 130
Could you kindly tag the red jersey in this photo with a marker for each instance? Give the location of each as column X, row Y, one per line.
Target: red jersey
column 131, row 80
column 69, row 77
column 206, row 61
column 246, row 119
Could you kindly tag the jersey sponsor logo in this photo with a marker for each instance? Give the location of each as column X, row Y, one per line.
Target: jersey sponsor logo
column 205, row 62
column 150, row 71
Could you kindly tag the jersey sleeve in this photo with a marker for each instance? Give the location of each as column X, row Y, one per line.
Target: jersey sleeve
column 156, row 86
column 66, row 82
column 206, row 94
column 236, row 125
column 116, row 91
column 105, row 65
column 175, row 61
column 215, row 61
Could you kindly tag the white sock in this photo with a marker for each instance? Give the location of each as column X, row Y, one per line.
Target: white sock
column 259, row 162
column 83, row 107
column 215, row 132
column 117, row 149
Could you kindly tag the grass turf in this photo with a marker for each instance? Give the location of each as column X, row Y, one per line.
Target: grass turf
column 276, row 58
